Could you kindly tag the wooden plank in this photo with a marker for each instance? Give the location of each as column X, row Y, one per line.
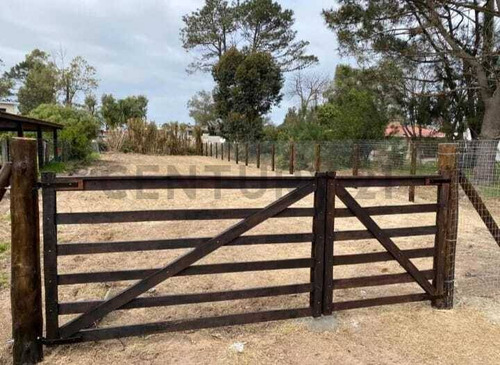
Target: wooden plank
column 388, row 181
column 25, row 283
column 364, row 303
column 178, row 299
column 480, row 207
column 232, row 267
column 391, row 232
column 50, row 255
column 185, row 325
column 171, row 215
column 377, row 280
column 390, row 210
column 384, row 239
column 169, row 244
column 184, row 261
column 366, row 258
column 89, row 183
column 327, row 307
column 318, row 244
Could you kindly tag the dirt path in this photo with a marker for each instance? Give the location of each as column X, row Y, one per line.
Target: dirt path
column 400, row 334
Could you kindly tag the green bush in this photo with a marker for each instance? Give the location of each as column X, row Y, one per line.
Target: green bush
column 80, row 128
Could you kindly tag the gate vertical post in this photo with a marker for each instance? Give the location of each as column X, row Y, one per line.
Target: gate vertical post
column 413, row 169
column 318, row 244
column 447, row 160
column 26, row 288
column 329, row 244
column 50, row 255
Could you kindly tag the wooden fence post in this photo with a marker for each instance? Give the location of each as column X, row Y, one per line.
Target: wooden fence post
column 229, row 151
column 217, row 150
column 273, row 154
column 317, row 157
column 211, row 149
column 291, row 168
column 258, row 155
column 447, row 160
column 222, row 151
column 26, row 288
column 413, row 169
column 246, row 154
column 237, row 153
column 355, row 160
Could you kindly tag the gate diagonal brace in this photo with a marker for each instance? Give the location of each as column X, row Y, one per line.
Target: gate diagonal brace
column 384, row 239
column 87, row 319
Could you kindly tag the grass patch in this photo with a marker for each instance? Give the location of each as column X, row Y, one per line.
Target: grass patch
column 4, row 248
column 59, row 167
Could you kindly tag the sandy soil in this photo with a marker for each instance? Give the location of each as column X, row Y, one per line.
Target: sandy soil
column 400, row 334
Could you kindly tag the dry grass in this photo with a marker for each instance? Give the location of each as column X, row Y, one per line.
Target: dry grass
column 400, row 334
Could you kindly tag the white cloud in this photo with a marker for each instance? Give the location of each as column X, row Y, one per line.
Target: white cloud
column 135, row 45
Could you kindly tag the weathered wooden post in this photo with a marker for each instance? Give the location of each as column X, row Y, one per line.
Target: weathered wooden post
column 447, row 220
column 291, row 168
column 258, row 155
column 26, row 288
column 229, row 151
column 246, row 154
column 273, row 154
column 413, row 169
column 355, row 159
column 211, row 149
column 222, row 151
column 217, row 150
column 317, row 157
column 237, row 153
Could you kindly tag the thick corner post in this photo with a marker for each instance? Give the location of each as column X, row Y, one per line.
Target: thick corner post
column 448, row 196
column 26, row 288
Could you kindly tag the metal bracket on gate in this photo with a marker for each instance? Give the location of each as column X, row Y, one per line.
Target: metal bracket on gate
column 71, row 185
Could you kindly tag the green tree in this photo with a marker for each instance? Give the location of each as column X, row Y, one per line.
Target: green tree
column 117, row 112
column 36, row 77
column 80, row 127
column 253, row 25
column 247, row 87
column 441, row 37
column 77, row 77
column 6, row 84
column 202, row 109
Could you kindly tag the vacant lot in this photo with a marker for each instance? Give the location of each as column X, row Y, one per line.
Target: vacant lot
column 400, row 334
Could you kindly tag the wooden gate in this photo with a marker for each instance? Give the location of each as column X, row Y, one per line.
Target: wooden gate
column 325, row 186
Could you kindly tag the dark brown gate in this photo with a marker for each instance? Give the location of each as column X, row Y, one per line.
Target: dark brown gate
column 321, row 262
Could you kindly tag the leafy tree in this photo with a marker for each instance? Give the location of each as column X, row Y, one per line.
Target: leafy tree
column 202, row 109
column 449, row 40
column 77, row 77
column 90, row 104
column 6, row 85
column 353, row 116
column 247, row 87
column 210, row 30
column 116, row 113
column 253, row 25
column 80, row 127
column 37, row 77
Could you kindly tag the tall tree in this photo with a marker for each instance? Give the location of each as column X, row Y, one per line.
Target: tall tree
column 79, row 77
column 443, row 33
column 247, row 87
column 308, row 89
column 6, row 84
column 252, row 25
column 36, row 79
column 209, row 29
column 202, row 109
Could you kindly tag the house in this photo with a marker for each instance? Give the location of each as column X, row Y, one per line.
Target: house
column 8, row 107
column 396, row 129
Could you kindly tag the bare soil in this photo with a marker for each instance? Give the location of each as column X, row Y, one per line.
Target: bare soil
column 399, row 334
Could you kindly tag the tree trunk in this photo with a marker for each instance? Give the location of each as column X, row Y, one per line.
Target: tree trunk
column 486, row 148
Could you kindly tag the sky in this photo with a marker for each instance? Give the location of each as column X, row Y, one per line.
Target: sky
column 135, row 45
